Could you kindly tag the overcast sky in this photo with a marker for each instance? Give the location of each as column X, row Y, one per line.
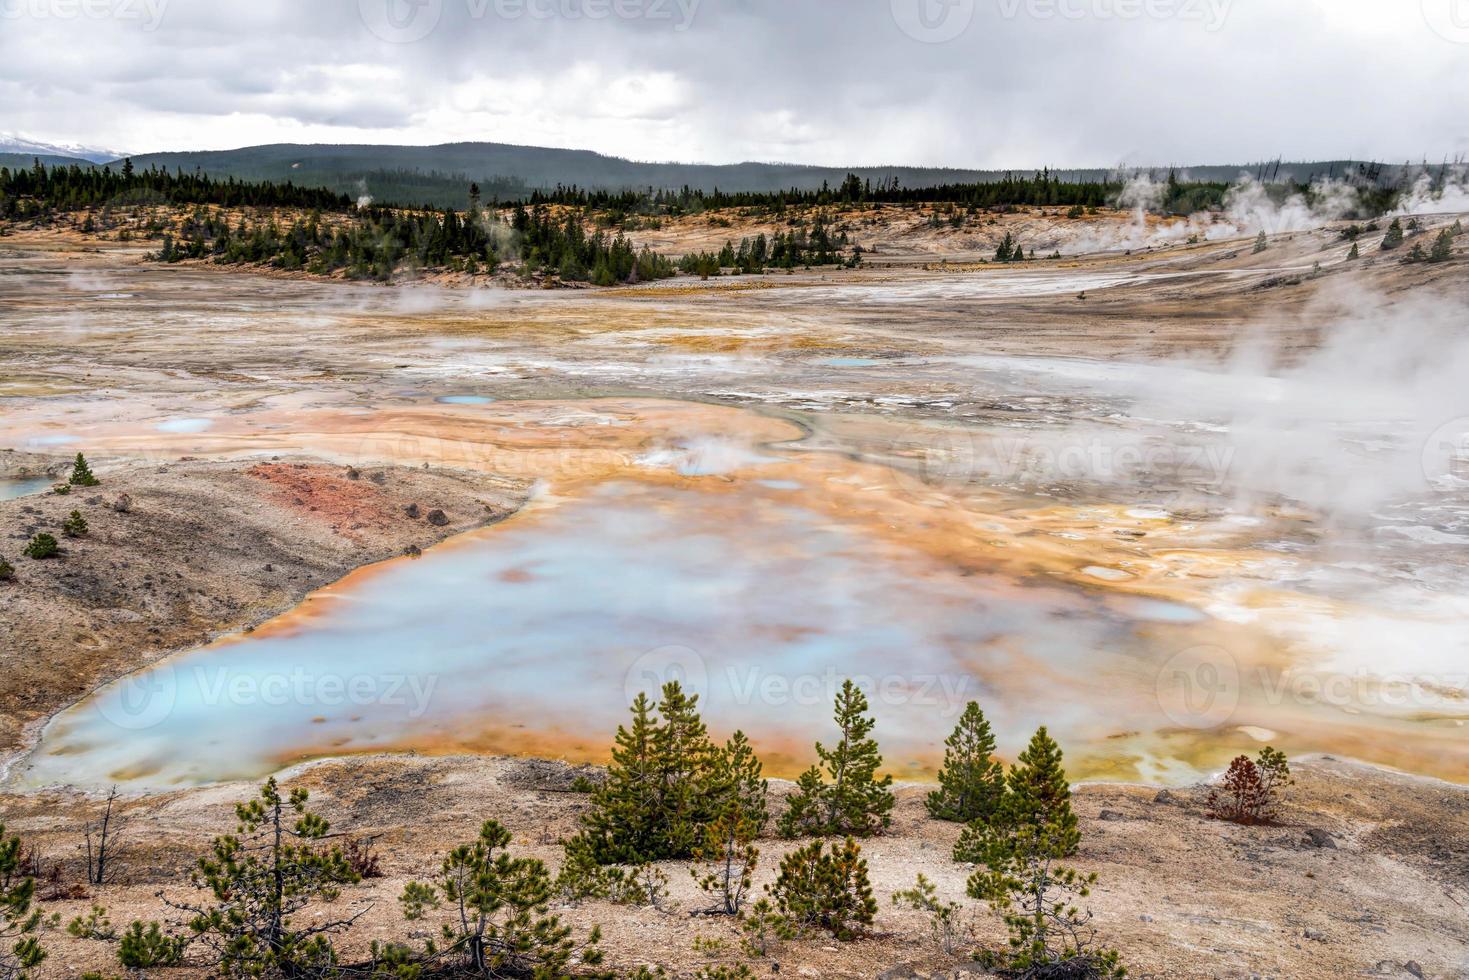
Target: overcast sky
column 973, row 83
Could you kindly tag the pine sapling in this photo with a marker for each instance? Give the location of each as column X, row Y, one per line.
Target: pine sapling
column 971, row 782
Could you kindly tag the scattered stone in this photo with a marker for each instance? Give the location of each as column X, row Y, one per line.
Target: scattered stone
column 1145, row 918
column 1314, row 936
column 352, row 473
column 123, row 503
column 413, row 551
column 1315, row 837
column 1111, row 816
column 1164, row 796
column 412, row 511
column 438, row 518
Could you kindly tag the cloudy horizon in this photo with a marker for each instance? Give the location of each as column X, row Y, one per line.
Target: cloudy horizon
column 958, row 83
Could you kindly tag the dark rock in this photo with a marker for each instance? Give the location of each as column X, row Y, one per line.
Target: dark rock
column 1315, row 837
column 413, row 551
column 438, row 518
column 352, row 473
column 412, row 511
column 1165, row 796
column 1111, row 816
column 123, row 503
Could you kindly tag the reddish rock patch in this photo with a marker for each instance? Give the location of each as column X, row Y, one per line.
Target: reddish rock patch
column 327, row 494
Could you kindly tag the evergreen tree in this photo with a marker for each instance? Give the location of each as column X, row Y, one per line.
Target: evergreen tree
column 499, row 924
column 7, row 570
column 43, row 545
column 1355, row 253
column 851, row 800
column 263, row 881
column 971, row 782
column 1443, row 247
column 1036, row 794
column 1261, row 243
column 81, row 473
column 739, row 781
column 1394, row 236
column 20, row 950
column 828, row 891
column 75, row 525
column 1006, row 251
column 667, row 781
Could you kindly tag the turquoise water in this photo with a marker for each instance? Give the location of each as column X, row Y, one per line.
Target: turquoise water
column 10, row 489
column 545, row 627
column 464, row 399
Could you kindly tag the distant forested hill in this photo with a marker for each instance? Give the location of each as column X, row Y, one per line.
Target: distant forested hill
column 440, row 175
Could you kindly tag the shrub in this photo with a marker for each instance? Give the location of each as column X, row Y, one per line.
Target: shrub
column 361, row 856
column 729, row 855
column 827, row 891
column 75, row 525
column 42, row 545
column 7, row 570
column 943, row 917
column 148, row 947
column 971, row 782
column 499, row 925
column 764, row 928
column 1261, row 243
column 1355, row 253
column 81, row 473
column 855, row 801
column 261, row 879
column 1251, row 790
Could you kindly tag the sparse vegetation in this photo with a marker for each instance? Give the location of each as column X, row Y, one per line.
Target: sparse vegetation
column 943, row 917
column 20, row 922
column 1394, row 236
column 7, row 570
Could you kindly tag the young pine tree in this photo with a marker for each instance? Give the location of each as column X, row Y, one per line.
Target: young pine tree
column 75, row 525
column 851, row 800
column 664, row 785
column 1261, row 243
column 1037, row 795
column 498, row 921
column 971, row 782
column 20, row 950
column 264, row 879
column 81, row 473
column 1394, row 236
column 827, row 891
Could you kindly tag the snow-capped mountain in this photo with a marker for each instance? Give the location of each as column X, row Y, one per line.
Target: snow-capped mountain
column 17, row 143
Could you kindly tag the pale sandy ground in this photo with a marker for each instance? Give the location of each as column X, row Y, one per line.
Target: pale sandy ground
column 1181, row 895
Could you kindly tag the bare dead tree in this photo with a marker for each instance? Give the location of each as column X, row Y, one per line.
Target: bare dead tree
column 101, row 837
